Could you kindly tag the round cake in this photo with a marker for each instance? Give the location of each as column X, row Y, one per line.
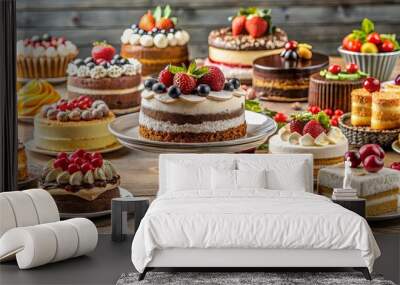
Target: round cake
column 333, row 90
column 156, row 42
column 210, row 110
column 108, row 77
column 251, row 35
column 73, row 124
column 81, row 182
column 307, row 133
column 286, row 77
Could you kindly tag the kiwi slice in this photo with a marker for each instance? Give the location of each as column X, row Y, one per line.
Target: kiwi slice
column 348, row 76
column 331, row 76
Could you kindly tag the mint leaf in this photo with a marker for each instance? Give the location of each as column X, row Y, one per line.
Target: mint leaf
column 176, row 69
column 167, row 11
column 157, row 13
column 199, row 72
column 192, row 67
column 323, row 119
column 367, row 26
column 174, row 20
column 359, row 35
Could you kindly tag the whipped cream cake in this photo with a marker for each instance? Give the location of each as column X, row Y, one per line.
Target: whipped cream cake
column 307, row 133
column 212, row 110
column 81, row 182
column 108, row 77
column 77, row 123
column 156, row 41
column 251, row 35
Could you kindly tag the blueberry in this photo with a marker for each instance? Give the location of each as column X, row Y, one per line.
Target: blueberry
column 105, row 64
column 90, row 65
column 123, row 61
column 78, row 62
column 88, row 59
column 158, row 87
column 114, row 62
column 203, row 90
column 46, row 37
column 148, row 83
column 283, row 53
column 235, row 82
column 117, row 56
column 288, row 54
column 174, row 91
column 35, row 39
column 293, row 55
column 228, row 86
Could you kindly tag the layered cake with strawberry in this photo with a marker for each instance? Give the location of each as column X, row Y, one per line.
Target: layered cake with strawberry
column 192, row 105
column 108, row 77
column 44, row 56
column 71, row 124
column 81, row 182
column 156, row 41
column 332, row 87
column 311, row 133
column 285, row 77
column 251, row 35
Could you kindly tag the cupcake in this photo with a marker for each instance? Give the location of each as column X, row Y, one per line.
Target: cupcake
column 44, row 57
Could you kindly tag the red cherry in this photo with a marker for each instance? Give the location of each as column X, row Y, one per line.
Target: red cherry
column 87, row 156
column 354, row 157
column 329, row 112
column 280, row 118
column 97, row 155
column 314, row 109
column 334, row 117
column 352, row 68
column 70, row 106
column 334, row 68
column 63, row 107
column 373, row 163
column 374, row 38
column 354, row 45
column 80, row 152
column 62, row 155
column 97, row 162
column 371, row 149
column 397, row 80
column 61, row 163
column 86, row 167
column 291, row 45
column 81, row 98
column 338, row 113
column 83, row 105
column 78, row 160
column 73, row 167
column 387, row 46
column 372, row 84
column 334, row 122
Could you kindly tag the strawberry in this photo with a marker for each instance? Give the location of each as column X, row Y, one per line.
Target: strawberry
column 166, row 77
column 256, row 26
column 102, row 50
column 238, row 24
column 296, row 126
column 185, row 82
column 165, row 24
column 213, row 78
column 314, row 128
column 147, row 22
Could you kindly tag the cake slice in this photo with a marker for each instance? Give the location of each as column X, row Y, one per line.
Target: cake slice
column 385, row 110
column 361, row 101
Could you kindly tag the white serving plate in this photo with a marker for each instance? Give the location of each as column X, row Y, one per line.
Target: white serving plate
column 30, row 145
column 122, row 192
column 259, row 128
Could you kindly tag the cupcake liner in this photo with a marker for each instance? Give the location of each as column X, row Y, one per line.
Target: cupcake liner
column 378, row 65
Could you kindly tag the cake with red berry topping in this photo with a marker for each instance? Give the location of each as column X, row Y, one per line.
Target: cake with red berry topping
column 192, row 105
column 285, row 77
column 311, row 133
column 251, row 35
column 156, row 41
column 106, row 76
column 332, row 88
column 45, row 57
column 77, row 123
column 81, row 182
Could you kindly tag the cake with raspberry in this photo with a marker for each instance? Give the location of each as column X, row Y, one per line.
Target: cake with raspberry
column 192, row 105
column 81, row 182
column 106, row 76
column 285, row 77
column 71, row 124
column 251, row 35
column 45, row 57
column 332, row 87
column 156, row 41
column 308, row 133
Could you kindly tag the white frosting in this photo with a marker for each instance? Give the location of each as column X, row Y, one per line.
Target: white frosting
column 51, row 52
column 242, row 73
column 71, row 47
column 72, row 69
column 146, row 41
column 172, row 41
column 132, row 68
column 28, row 51
column 134, row 39
column 98, row 72
column 20, row 47
column 126, row 35
column 160, row 41
column 63, row 50
column 214, row 126
column 83, row 71
column 114, row 71
column 38, row 51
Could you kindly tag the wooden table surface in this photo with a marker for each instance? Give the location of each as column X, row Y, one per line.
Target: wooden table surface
column 139, row 170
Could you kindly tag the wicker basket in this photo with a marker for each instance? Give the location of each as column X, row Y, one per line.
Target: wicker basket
column 359, row 136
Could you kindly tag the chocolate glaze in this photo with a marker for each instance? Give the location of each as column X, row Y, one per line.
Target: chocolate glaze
column 76, row 188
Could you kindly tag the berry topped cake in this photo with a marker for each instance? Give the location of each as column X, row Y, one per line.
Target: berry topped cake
column 81, row 182
column 77, row 123
column 251, row 35
column 192, row 105
column 332, row 87
column 311, row 133
column 44, row 57
column 285, row 77
column 106, row 76
column 156, row 41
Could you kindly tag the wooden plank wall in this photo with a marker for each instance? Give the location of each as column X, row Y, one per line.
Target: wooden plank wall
column 323, row 23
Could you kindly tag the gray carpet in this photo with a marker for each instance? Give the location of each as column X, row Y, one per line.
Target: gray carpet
column 243, row 278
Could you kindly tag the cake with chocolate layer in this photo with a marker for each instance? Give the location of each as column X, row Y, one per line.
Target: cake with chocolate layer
column 332, row 88
column 285, row 77
column 156, row 41
column 108, row 77
column 251, row 35
column 77, row 123
column 193, row 105
column 81, row 182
